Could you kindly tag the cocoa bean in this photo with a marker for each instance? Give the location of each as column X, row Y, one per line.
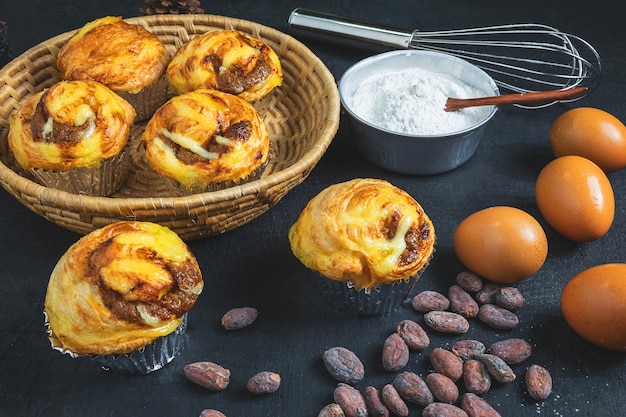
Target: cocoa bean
column 446, row 322
column 496, row 367
column 467, row 348
column 208, row 375
column 461, row 302
column 413, row 334
column 263, row 383
column 443, row 410
column 443, row 388
column 475, row 406
column 350, row 400
column 513, row 351
column 413, row 389
column 476, row 377
column 497, row 317
column 428, row 300
column 239, row 318
column 538, row 382
column 394, row 402
column 374, row 403
column 469, row 281
column 510, row 298
column 211, row 413
column 331, row 410
column 343, row 365
column 395, row 353
column 446, row 363
column 487, row 295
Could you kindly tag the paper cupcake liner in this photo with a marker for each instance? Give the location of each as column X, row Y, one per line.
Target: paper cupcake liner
column 101, row 181
column 150, row 358
column 176, row 189
column 379, row 300
column 148, row 100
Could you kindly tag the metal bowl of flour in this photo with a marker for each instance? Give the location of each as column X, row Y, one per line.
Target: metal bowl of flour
column 408, row 137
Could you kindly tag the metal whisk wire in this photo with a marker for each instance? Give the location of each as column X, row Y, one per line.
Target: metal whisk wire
column 521, row 57
column 545, row 58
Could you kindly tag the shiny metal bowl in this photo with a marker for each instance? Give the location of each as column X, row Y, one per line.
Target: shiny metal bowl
column 415, row 154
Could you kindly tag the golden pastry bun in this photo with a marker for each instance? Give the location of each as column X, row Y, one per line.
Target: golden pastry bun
column 125, row 57
column 119, row 288
column 70, row 125
column 206, row 137
column 226, row 60
column 366, row 231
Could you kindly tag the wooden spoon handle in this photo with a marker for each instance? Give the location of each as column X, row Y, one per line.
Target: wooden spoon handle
column 453, row 104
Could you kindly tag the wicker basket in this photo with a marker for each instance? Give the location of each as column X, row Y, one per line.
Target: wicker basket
column 302, row 117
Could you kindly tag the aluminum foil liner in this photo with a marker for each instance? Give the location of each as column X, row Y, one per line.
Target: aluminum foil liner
column 379, row 300
column 150, row 358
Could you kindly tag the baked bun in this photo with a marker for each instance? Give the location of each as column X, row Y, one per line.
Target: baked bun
column 119, row 288
column 124, row 57
column 366, row 231
column 206, row 137
column 226, row 60
column 70, row 125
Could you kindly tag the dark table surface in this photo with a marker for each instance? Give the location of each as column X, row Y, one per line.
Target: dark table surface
column 253, row 265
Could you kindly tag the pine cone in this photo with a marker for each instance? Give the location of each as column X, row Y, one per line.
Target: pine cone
column 5, row 51
column 172, row 7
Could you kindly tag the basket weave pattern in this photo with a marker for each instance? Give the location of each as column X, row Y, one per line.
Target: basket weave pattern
column 302, row 117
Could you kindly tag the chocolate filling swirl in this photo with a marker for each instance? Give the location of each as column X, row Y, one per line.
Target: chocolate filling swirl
column 60, row 133
column 415, row 238
column 240, row 131
column 237, row 78
column 163, row 302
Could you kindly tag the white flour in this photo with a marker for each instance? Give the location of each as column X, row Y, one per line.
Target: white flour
column 412, row 101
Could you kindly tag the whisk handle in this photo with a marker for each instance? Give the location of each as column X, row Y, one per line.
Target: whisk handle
column 327, row 26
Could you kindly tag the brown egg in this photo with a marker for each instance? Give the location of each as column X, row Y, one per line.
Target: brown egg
column 602, row 285
column 575, row 197
column 502, row 244
column 591, row 133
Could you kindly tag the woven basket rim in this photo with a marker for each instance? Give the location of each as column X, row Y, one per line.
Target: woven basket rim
column 64, row 199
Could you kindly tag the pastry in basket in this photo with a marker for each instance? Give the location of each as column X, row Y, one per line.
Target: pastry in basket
column 121, row 295
column 73, row 136
column 368, row 242
column 127, row 58
column 226, row 60
column 205, row 138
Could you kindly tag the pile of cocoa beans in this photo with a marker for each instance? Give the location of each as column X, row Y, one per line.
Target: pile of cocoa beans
column 458, row 377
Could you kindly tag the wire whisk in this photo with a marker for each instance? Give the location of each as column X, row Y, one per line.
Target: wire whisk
column 521, row 58
column 524, row 57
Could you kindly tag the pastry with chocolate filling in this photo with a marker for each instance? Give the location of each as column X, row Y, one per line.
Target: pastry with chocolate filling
column 204, row 138
column 226, row 60
column 121, row 294
column 127, row 58
column 368, row 242
column 73, row 137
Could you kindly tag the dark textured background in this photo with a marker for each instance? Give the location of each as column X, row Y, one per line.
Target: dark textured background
column 253, row 265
